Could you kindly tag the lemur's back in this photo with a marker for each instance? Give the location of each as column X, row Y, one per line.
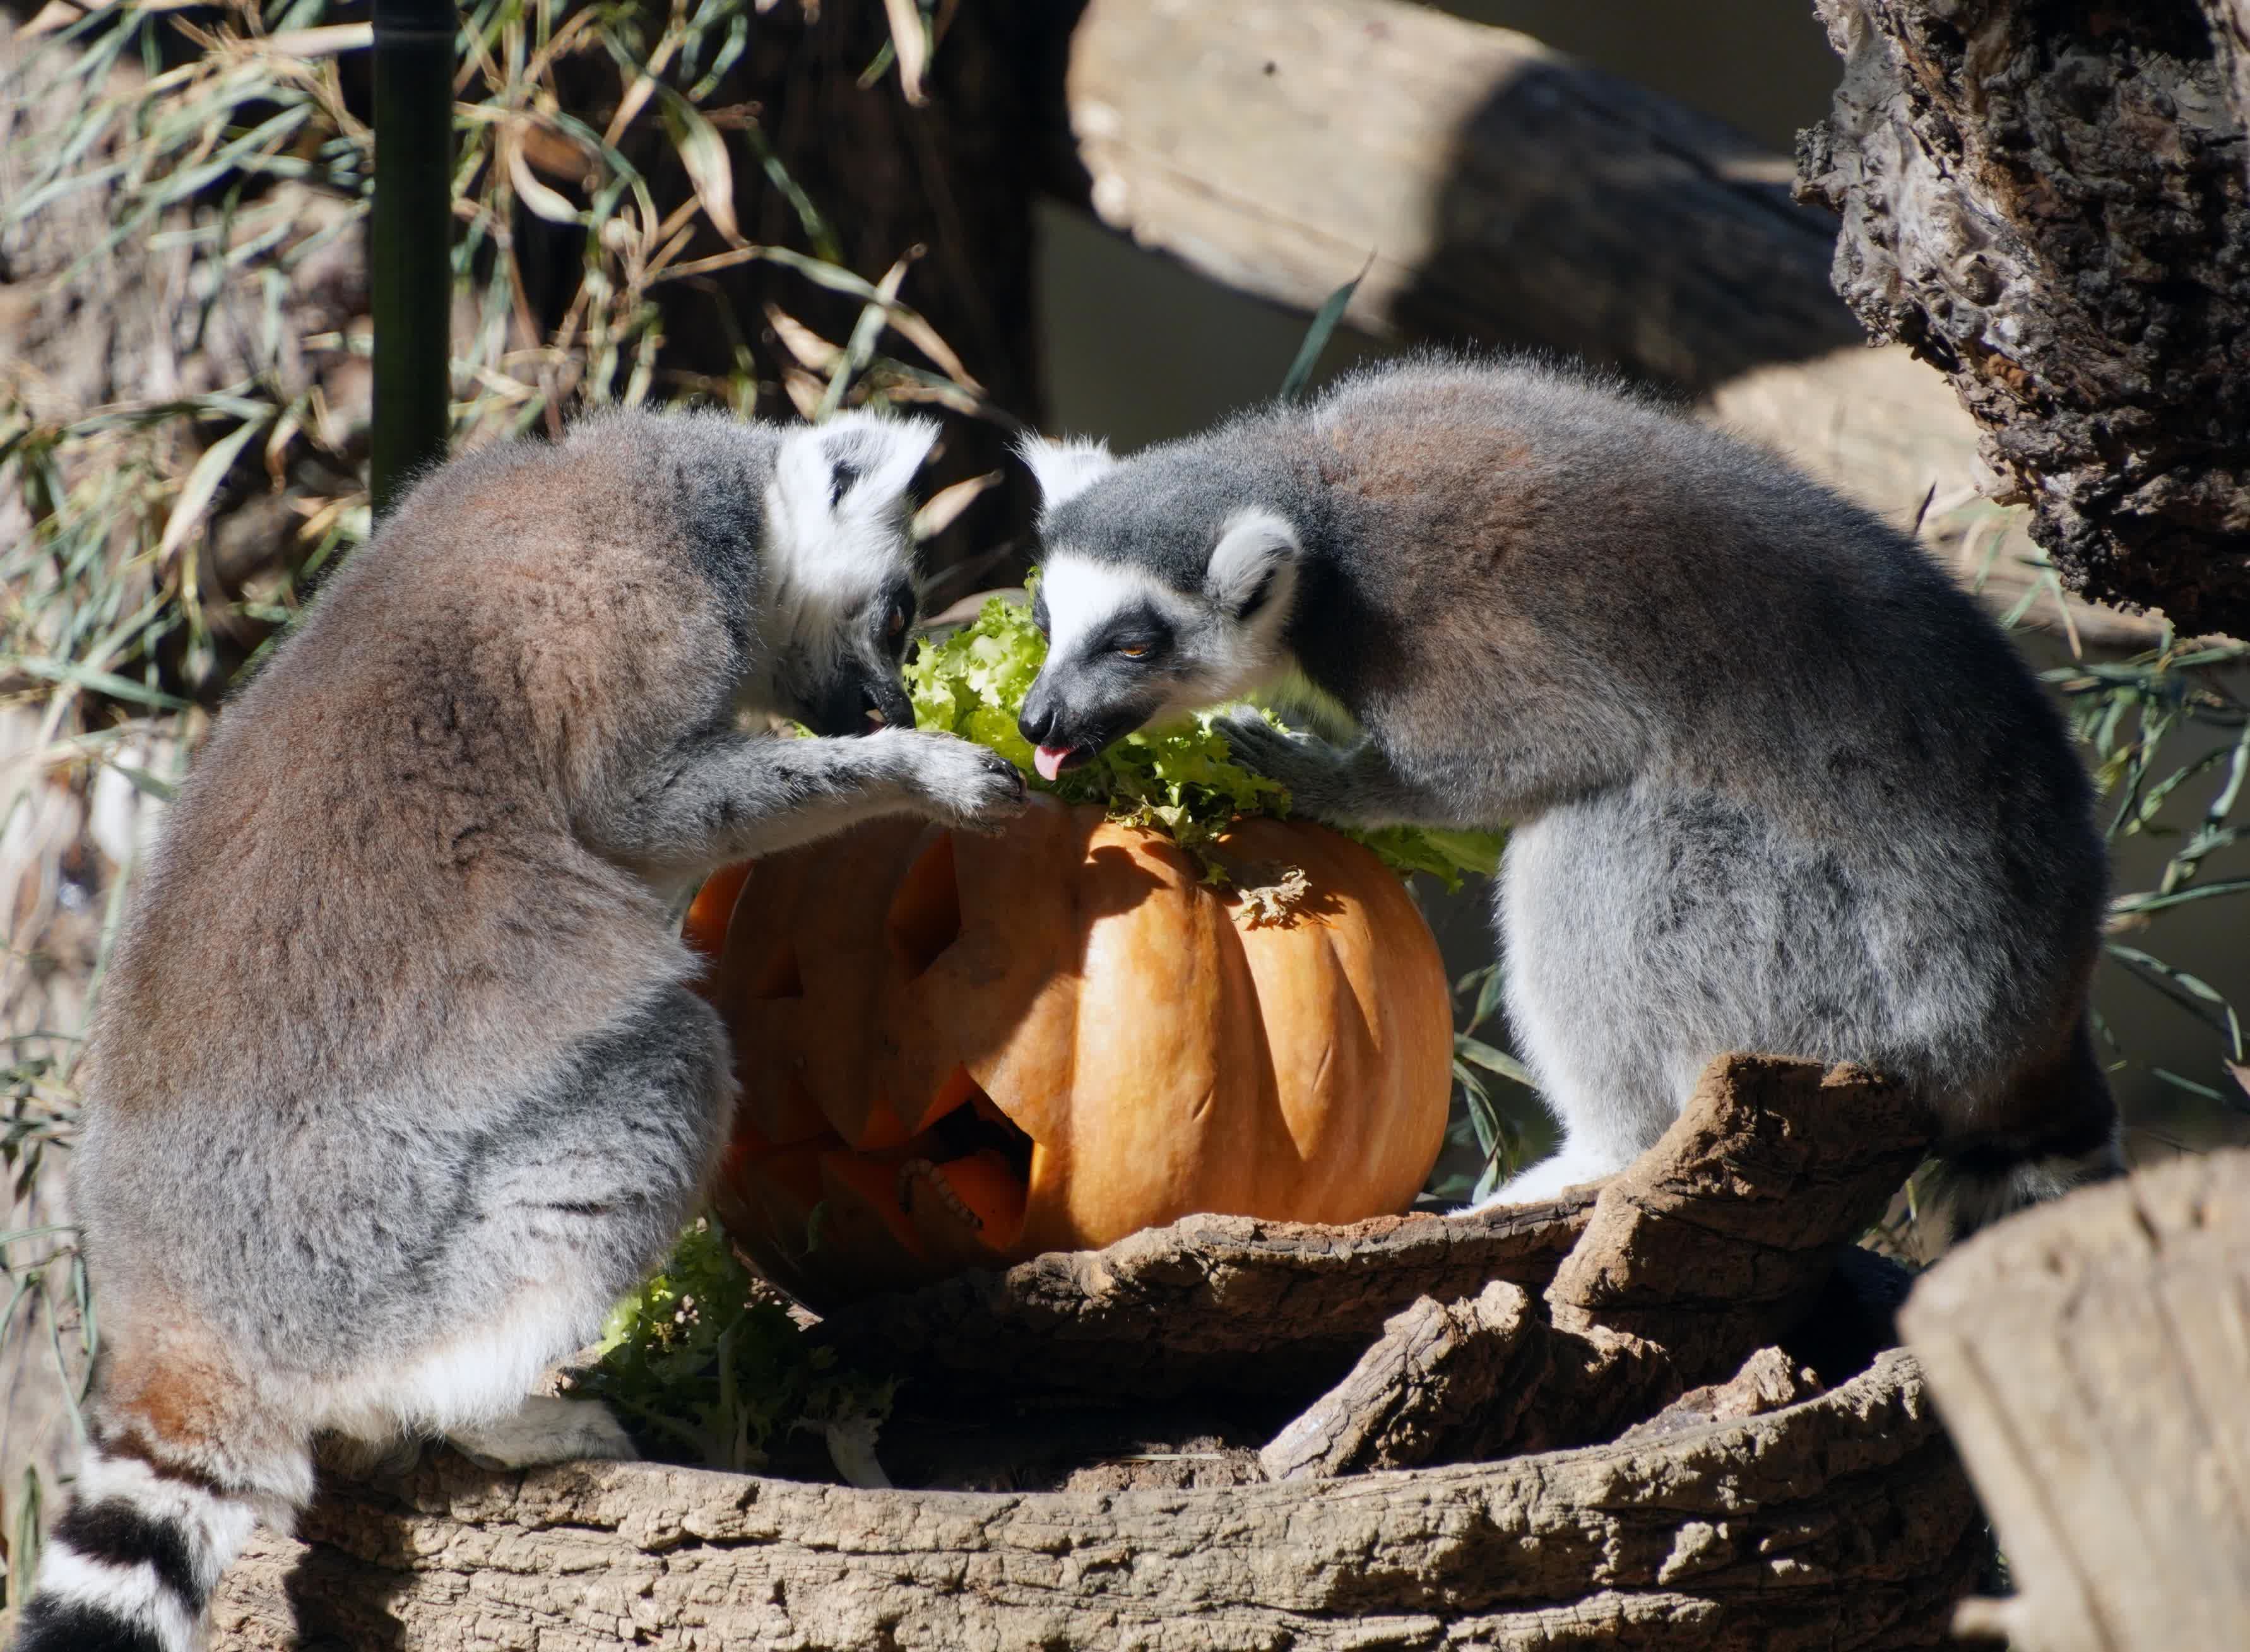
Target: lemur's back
column 414, row 730
column 1804, row 794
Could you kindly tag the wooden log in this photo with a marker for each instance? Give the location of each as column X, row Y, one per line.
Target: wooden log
column 2048, row 203
column 1508, row 195
column 2092, row 1358
column 1210, row 1301
column 1720, row 1237
column 1447, row 1381
column 1505, row 192
column 1746, row 1535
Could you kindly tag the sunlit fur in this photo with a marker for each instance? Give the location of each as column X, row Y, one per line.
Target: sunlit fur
column 397, row 1080
column 1774, row 783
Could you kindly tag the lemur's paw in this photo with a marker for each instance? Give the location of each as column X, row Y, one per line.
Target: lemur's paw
column 547, row 1430
column 965, row 785
column 1309, row 766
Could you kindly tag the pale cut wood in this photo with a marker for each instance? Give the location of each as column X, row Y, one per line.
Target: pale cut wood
column 1503, row 190
column 1499, row 192
column 2092, row 1362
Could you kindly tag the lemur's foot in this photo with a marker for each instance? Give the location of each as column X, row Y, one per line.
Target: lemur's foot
column 547, row 1430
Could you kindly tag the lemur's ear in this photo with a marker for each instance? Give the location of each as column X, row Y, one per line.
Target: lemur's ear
column 1253, row 566
column 839, row 489
column 855, row 464
column 1063, row 469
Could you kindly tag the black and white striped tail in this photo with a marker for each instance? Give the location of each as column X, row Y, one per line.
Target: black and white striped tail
column 130, row 1566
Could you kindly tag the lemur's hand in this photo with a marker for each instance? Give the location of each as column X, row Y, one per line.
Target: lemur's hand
column 1318, row 774
column 961, row 783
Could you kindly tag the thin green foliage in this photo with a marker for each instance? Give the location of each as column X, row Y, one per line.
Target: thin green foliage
column 1317, row 335
column 2133, row 715
column 701, row 1369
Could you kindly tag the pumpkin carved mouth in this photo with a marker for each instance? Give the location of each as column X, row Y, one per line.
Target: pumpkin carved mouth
column 961, row 1051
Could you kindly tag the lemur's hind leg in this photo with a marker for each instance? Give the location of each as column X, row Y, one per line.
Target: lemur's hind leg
column 583, row 1190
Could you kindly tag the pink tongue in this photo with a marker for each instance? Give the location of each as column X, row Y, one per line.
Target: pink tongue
column 1049, row 761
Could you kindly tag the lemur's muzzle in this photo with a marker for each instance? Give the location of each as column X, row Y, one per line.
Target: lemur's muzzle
column 1063, row 736
column 860, row 701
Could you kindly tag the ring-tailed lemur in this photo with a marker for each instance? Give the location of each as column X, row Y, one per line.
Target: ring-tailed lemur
column 1775, row 783
column 397, row 1081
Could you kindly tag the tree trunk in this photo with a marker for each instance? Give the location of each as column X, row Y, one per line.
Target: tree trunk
column 2092, row 1362
column 2050, row 202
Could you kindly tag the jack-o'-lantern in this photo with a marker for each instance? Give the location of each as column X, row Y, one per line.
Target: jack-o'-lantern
column 958, row 1050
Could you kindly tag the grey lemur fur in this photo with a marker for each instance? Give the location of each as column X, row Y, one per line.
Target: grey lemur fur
column 396, row 1081
column 1773, row 783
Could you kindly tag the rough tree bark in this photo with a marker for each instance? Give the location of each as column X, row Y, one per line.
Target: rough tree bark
column 1841, row 1522
column 2051, row 203
column 1808, row 1501
column 2093, row 1360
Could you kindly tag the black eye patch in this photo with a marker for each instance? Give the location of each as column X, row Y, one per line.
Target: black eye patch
column 1138, row 632
column 841, row 476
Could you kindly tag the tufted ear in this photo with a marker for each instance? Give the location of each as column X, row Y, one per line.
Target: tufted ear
column 839, row 496
column 855, row 464
column 1254, row 566
column 1063, row 469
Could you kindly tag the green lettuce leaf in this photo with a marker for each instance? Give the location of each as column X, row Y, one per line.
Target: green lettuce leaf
column 1182, row 780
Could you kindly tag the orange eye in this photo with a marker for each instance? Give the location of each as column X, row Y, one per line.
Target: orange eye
column 1133, row 650
column 898, row 621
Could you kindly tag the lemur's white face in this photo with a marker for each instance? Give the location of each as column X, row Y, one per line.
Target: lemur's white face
column 1131, row 644
column 840, row 597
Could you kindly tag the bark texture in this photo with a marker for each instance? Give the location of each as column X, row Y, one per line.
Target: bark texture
column 1840, row 1523
column 1211, row 1302
column 2093, row 1360
column 2049, row 203
column 1767, row 1512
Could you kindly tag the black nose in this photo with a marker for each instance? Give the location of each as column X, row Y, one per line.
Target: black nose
column 884, row 705
column 1038, row 720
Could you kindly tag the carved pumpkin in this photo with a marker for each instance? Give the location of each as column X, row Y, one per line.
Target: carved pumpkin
column 965, row 1051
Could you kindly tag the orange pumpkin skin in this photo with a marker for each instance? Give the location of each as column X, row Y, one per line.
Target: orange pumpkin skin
column 908, row 1005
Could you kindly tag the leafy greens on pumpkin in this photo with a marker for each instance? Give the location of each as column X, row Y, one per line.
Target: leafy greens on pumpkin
column 1182, row 779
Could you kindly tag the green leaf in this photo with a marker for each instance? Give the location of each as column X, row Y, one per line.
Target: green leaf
column 1493, row 1061
column 1317, row 335
column 1181, row 779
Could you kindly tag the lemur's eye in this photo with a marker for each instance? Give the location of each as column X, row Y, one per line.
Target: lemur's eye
column 897, row 627
column 1134, row 651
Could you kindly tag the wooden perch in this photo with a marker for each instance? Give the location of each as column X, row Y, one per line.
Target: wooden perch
column 1751, row 1532
column 1215, row 1302
column 1717, row 1240
column 1507, row 194
column 1739, row 1517
column 2092, row 1358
